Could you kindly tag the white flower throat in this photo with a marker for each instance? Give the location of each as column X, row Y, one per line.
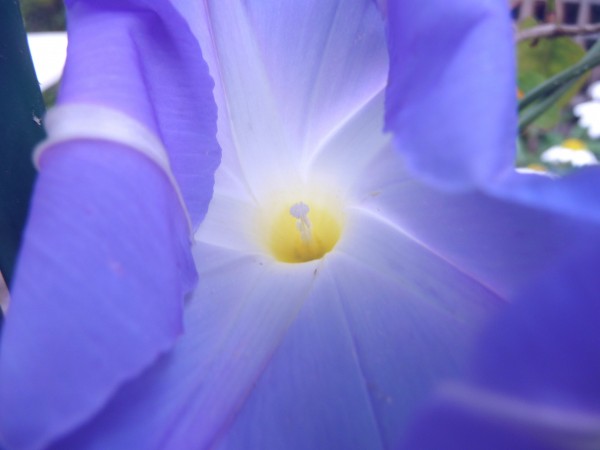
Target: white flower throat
column 304, row 231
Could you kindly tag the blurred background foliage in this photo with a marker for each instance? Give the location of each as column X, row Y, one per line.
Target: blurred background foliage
column 43, row 15
column 540, row 59
column 538, row 62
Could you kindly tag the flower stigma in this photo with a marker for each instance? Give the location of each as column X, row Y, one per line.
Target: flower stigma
column 302, row 233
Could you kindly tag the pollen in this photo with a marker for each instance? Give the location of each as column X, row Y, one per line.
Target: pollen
column 303, row 232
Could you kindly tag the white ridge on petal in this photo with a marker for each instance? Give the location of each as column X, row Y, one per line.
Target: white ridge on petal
column 76, row 121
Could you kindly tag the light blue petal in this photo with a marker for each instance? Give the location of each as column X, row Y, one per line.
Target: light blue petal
column 290, row 355
column 498, row 238
column 286, row 76
column 364, row 351
column 324, row 58
column 500, row 242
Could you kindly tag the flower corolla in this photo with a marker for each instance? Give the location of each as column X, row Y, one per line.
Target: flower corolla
column 335, row 285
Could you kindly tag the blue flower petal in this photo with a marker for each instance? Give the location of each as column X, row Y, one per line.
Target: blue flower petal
column 234, row 322
column 106, row 261
column 447, row 426
column 499, row 238
column 99, row 288
column 287, row 75
column 534, row 381
column 451, row 98
column 287, row 355
column 332, row 53
column 576, row 195
column 140, row 57
column 546, row 348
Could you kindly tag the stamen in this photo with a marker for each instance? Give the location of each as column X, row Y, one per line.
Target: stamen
column 300, row 211
column 294, row 238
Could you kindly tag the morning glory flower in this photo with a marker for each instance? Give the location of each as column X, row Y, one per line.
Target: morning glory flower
column 342, row 270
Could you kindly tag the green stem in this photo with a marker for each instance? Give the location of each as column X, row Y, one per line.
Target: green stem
column 529, row 116
column 589, row 61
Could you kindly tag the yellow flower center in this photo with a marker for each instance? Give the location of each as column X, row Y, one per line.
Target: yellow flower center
column 574, row 144
column 302, row 232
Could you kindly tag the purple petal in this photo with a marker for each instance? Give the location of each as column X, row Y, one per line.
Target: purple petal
column 501, row 243
column 289, row 355
column 447, row 426
column 372, row 337
column 99, row 288
column 534, row 382
column 497, row 238
column 451, row 98
column 552, row 353
column 140, row 57
column 576, row 195
column 233, row 326
column 106, row 260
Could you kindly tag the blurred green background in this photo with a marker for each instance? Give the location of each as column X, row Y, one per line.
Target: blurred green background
column 43, row 15
column 540, row 59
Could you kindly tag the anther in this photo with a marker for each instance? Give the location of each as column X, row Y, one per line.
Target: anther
column 300, row 212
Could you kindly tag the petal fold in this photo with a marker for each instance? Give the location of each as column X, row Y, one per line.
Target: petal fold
column 576, row 195
column 534, row 379
column 286, row 76
column 451, row 99
column 501, row 236
column 234, row 323
column 356, row 339
column 140, row 57
column 98, row 292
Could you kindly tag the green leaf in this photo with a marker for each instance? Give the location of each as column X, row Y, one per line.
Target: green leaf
column 21, row 109
column 538, row 61
column 541, row 98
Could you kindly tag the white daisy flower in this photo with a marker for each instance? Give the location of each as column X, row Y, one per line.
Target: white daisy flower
column 571, row 151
